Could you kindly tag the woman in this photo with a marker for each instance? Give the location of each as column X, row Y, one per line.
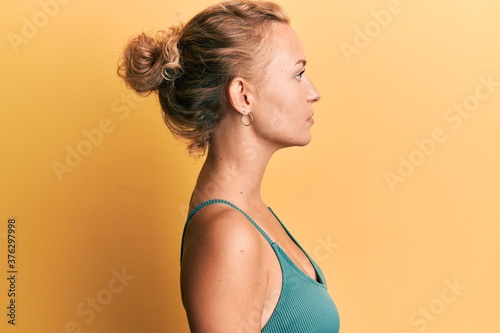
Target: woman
column 231, row 82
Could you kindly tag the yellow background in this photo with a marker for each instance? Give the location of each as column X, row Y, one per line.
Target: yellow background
column 387, row 252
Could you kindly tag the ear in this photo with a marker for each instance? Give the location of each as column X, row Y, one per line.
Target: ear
column 241, row 95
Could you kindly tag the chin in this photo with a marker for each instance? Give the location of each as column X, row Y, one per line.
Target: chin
column 293, row 140
column 306, row 140
column 305, row 143
column 297, row 143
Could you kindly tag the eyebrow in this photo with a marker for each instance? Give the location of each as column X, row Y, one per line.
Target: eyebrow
column 301, row 61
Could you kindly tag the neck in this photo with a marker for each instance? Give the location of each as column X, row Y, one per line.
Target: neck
column 233, row 172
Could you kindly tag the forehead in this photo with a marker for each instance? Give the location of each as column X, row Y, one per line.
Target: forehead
column 285, row 45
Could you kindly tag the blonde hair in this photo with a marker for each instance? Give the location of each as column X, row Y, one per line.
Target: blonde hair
column 191, row 66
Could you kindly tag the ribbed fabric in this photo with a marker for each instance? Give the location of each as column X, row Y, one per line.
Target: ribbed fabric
column 304, row 305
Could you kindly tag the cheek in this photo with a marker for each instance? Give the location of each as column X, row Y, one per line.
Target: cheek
column 282, row 116
column 282, row 109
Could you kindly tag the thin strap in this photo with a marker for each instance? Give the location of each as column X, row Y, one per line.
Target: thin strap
column 288, row 232
column 277, row 218
column 209, row 202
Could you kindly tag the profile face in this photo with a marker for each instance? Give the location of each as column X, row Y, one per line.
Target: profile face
column 284, row 110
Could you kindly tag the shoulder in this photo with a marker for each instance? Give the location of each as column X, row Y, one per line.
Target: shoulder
column 222, row 271
column 221, row 227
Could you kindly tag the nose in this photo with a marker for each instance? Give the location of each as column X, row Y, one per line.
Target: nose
column 313, row 95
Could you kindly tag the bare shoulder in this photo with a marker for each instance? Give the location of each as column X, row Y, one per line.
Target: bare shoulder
column 220, row 228
column 223, row 279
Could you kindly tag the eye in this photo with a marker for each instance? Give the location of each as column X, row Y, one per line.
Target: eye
column 299, row 76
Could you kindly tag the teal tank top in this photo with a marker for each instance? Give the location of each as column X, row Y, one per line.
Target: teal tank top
column 304, row 305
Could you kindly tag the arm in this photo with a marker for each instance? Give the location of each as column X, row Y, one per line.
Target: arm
column 222, row 277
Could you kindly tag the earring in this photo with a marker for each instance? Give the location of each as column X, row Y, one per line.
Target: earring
column 243, row 118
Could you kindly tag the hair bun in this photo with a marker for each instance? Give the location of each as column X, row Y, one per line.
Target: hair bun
column 150, row 59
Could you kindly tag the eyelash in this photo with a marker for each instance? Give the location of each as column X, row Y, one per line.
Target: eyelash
column 299, row 76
